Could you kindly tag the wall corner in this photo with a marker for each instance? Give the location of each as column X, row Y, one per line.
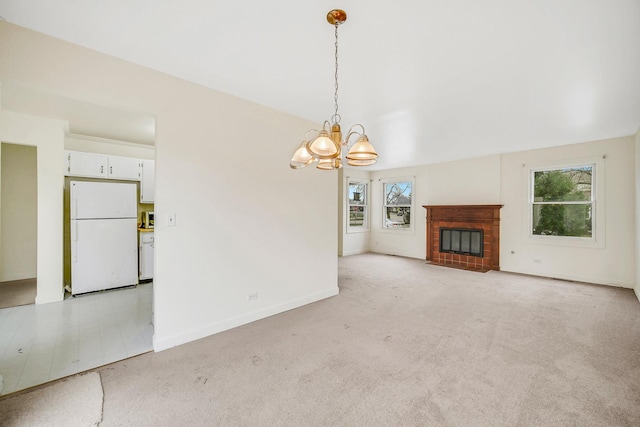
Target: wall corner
column 637, row 233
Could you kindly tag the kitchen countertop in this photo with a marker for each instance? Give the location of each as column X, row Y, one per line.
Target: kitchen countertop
column 145, row 230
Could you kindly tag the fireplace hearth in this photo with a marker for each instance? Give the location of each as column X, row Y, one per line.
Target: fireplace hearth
column 464, row 236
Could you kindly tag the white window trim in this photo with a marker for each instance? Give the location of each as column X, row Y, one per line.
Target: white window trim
column 597, row 238
column 412, row 215
column 367, row 215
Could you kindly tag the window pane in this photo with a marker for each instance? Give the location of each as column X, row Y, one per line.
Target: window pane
column 562, row 220
column 357, row 194
column 397, row 217
column 397, row 193
column 357, row 216
column 563, row 185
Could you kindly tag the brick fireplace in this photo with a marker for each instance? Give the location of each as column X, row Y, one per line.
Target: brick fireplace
column 468, row 229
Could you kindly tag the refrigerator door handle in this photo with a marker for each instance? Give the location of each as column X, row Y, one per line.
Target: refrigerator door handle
column 75, row 241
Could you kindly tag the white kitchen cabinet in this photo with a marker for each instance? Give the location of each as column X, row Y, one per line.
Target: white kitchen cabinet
column 146, row 255
column 86, row 164
column 147, row 181
column 123, row 168
column 92, row 165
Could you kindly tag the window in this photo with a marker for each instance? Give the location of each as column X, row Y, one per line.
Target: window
column 563, row 201
column 358, row 206
column 397, row 204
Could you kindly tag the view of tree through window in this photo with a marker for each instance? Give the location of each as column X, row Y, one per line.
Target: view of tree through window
column 397, row 204
column 357, row 204
column 563, row 202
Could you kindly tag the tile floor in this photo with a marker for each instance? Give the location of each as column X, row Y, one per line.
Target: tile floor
column 41, row 343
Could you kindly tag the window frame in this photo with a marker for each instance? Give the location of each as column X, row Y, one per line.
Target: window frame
column 365, row 226
column 411, row 206
column 596, row 169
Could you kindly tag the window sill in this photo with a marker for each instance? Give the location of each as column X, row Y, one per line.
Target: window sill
column 355, row 230
column 576, row 242
column 399, row 230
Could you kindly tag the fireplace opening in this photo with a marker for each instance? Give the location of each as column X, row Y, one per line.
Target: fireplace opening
column 462, row 241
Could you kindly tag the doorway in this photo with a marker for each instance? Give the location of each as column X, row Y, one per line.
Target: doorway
column 18, row 224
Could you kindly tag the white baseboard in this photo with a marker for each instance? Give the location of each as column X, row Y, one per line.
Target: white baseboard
column 356, row 252
column 571, row 278
column 160, row 344
column 399, row 253
column 17, row 276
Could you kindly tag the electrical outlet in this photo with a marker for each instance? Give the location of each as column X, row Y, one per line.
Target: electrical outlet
column 537, row 261
column 252, row 296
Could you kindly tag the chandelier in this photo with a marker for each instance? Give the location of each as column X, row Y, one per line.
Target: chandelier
column 324, row 147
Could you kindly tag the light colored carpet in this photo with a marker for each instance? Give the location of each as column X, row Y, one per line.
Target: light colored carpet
column 404, row 343
column 17, row 292
column 73, row 402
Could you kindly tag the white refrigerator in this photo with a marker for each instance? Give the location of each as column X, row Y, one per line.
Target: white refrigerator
column 104, row 247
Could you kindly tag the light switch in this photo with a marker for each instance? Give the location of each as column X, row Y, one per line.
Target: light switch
column 171, row 220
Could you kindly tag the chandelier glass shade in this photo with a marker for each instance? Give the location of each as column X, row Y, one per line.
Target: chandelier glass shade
column 362, row 150
column 324, row 147
column 301, row 157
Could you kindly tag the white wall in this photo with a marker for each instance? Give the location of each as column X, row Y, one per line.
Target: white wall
column 611, row 259
column 18, row 214
column 48, row 137
column 246, row 222
column 352, row 242
column 470, row 181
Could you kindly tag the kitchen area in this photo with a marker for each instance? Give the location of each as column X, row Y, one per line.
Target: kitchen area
column 108, row 314
column 109, row 221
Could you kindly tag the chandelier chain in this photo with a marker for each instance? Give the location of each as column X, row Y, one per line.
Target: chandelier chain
column 336, row 116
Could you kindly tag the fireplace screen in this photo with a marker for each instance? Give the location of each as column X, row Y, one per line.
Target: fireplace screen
column 462, row 241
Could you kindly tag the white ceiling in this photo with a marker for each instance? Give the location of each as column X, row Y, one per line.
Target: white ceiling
column 431, row 80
